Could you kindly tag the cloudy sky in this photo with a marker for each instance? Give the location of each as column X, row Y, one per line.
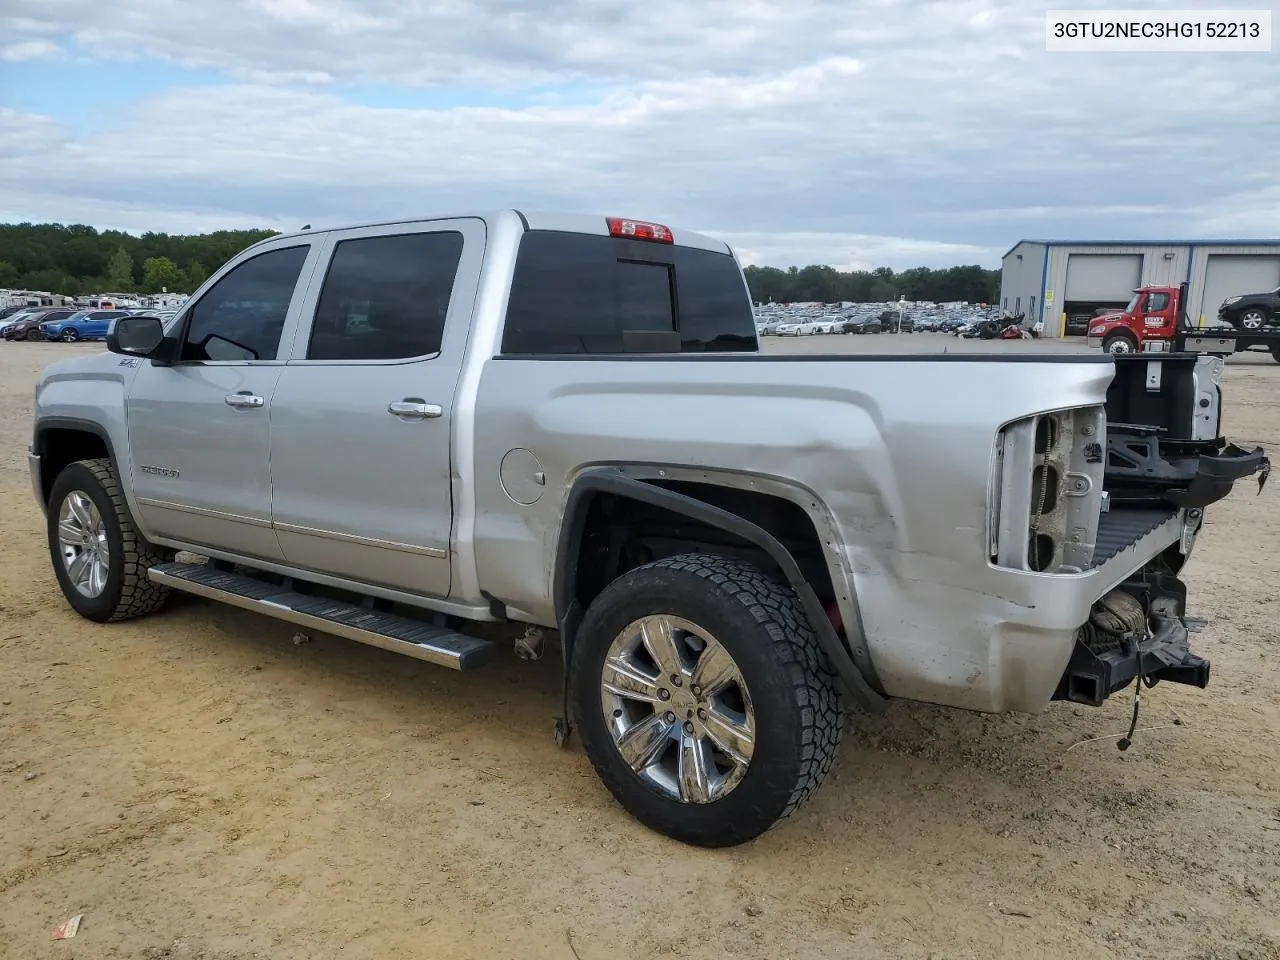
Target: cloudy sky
column 895, row 132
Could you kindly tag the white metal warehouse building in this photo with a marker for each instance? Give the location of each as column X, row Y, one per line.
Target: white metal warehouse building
column 1062, row 283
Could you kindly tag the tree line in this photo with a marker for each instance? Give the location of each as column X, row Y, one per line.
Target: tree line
column 972, row 284
column 78, row 259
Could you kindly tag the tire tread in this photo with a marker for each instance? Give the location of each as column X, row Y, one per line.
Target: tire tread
column 139, row 596
column 799, row 674
column 775, row 606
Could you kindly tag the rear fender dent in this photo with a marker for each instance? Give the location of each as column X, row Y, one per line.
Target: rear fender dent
column 860, row 682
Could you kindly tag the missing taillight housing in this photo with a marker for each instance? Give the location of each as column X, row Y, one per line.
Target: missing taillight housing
column 1044, row 488
column 1045, row 498
column 1040, row 551
column 1046, row 434
column 639, row 230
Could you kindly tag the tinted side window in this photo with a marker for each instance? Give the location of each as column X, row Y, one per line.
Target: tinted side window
column 1157, row 302
column 242, row 316
column 385, row 298
column 578, row 293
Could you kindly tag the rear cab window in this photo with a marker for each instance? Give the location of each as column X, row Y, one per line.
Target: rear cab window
column 576, row 293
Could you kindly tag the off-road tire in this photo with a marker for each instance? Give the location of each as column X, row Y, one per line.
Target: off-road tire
column 1109, row 344
column 128, row 592
column 798, row 713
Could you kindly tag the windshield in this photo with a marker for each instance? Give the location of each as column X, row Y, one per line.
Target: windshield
column 1132, row 305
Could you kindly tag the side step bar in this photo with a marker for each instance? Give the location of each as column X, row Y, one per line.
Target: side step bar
column 414, row 638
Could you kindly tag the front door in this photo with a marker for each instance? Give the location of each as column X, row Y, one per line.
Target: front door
column 361, row 419
column 200, row 429
column 1158, row 314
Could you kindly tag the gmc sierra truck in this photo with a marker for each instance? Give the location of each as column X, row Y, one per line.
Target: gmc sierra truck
column 394, row 431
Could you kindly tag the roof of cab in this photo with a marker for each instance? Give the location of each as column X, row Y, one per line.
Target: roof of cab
column 532, row 220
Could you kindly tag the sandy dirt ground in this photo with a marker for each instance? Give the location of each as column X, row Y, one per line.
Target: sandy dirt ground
column 198, row 786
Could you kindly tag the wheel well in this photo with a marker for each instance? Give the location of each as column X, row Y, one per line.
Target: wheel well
column 621, row 533
column 58, row 447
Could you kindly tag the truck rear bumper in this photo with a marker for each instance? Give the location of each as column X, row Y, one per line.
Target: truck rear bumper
column 1006, row 646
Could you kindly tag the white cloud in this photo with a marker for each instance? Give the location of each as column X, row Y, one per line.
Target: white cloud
column 29, row 50
column 1249, row 215
column 852, row 251
column 919, row 131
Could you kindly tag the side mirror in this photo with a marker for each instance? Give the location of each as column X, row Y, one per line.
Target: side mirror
column 135, row 336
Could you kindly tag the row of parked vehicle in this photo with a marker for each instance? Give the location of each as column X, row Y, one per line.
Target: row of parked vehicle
column 67, row 324
column 801, row 320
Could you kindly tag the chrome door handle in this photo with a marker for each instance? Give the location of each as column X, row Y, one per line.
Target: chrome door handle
column 414, row 408
column 243, row 399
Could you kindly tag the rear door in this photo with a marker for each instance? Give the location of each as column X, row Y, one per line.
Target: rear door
column 200, row 429
column 362, row 416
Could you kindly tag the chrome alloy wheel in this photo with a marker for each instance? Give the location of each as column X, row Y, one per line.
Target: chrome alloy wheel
column 82, row 540
column 1253, row 319
column 678, row 709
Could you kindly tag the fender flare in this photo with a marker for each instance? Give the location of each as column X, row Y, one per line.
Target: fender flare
column 45, row 424
column 864, row 689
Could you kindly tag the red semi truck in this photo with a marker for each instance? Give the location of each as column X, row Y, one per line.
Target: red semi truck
column 1155, row 320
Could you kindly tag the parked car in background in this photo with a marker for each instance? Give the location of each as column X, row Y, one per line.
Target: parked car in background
column 17, row 317
column 891, row 321
column 1251, row 311
column 27, row 327
column 83, row 325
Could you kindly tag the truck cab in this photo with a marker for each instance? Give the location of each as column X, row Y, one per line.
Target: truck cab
column 1154, row 313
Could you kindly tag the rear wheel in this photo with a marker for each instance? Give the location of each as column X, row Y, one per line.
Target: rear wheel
column 1275, row 353
column 1120, row 343
column 703, row 698
column 1255, row 318
column 99, row 558
column 69, row 336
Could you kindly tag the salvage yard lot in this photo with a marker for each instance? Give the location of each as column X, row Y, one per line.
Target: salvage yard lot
column 197, row 785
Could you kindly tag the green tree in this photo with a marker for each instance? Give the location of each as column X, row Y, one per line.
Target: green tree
column 195, row 274
column 120, row 271
column 8, row 274
column 51, row 281
column 160, row 273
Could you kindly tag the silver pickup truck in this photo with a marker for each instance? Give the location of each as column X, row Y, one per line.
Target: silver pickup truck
column 564, row 423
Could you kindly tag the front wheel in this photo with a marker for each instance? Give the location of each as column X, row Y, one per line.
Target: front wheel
column 1255, row 318
column 1120, row 343
column 34, row 335
column 703, row 699
column 99, row 557
column 69, row 336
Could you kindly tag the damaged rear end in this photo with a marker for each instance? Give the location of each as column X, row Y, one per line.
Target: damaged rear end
column 1083, row 490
